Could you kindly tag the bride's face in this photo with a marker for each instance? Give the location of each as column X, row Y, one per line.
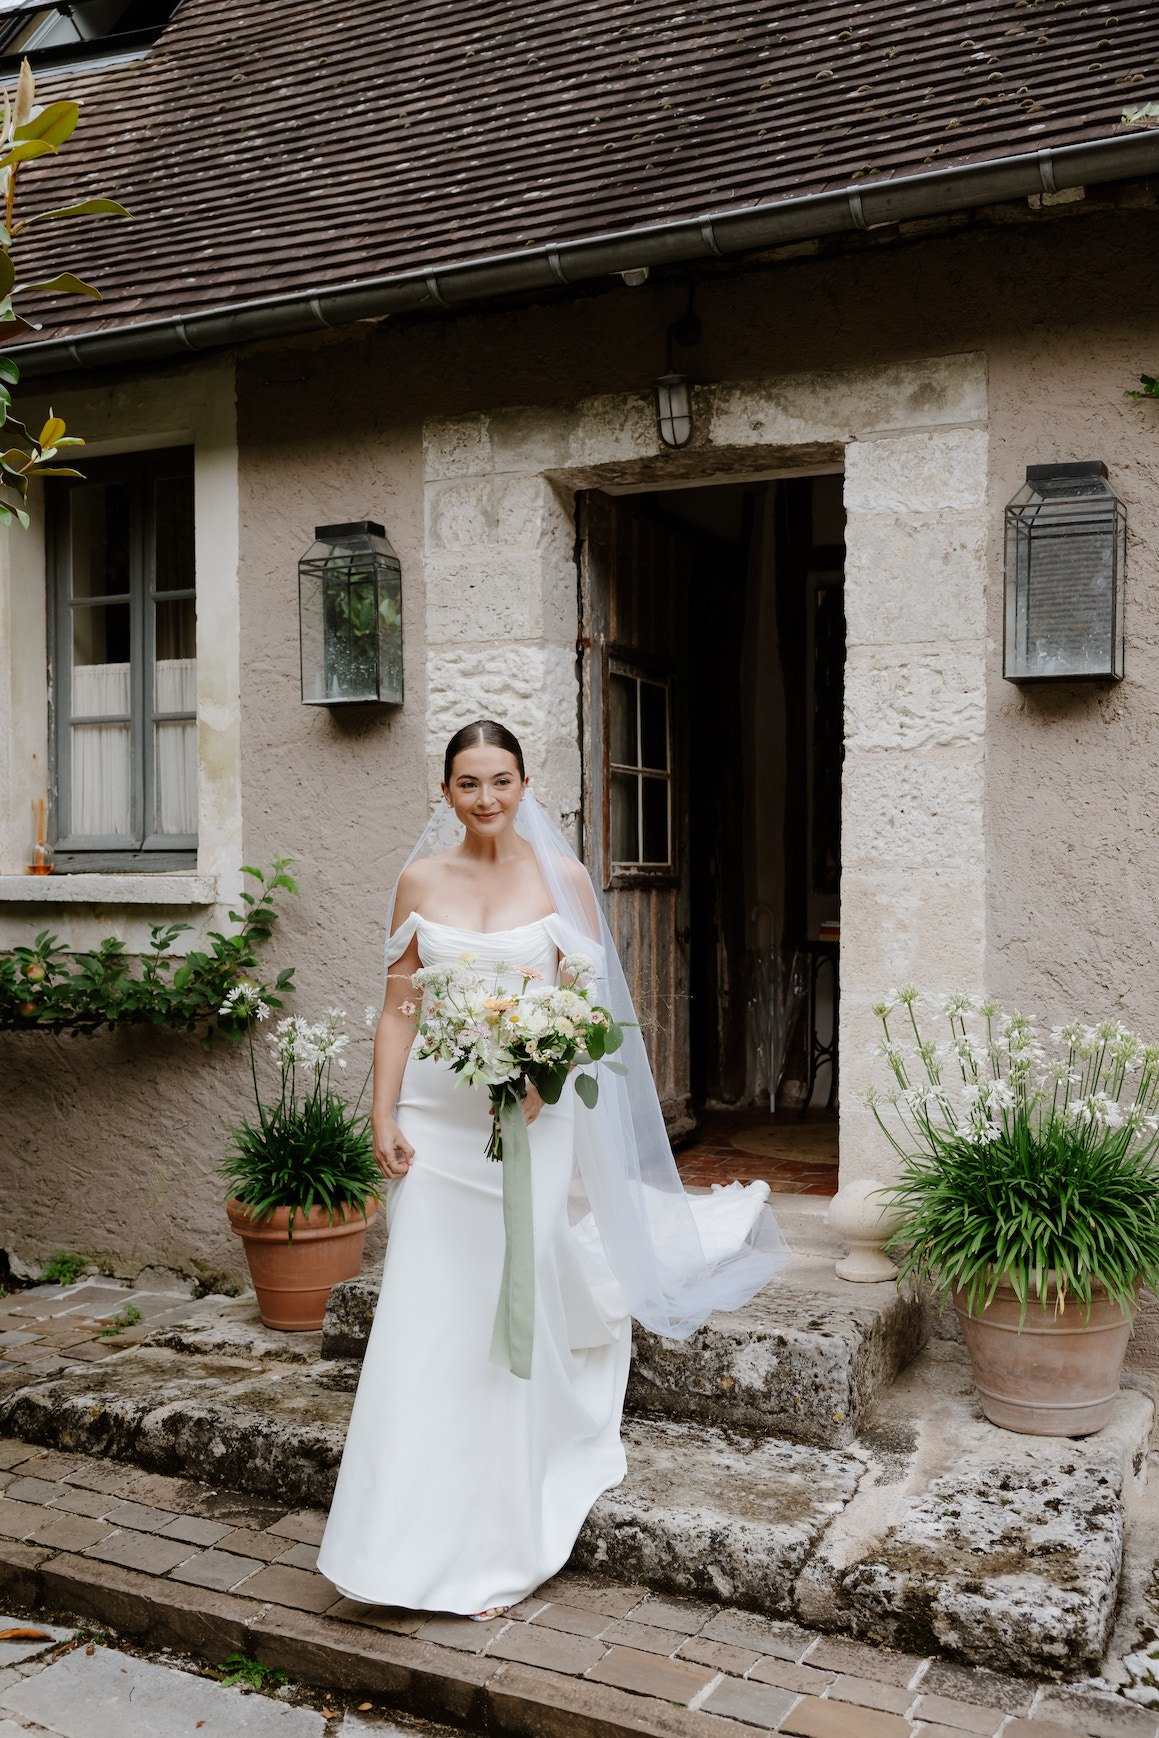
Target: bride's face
column 485, row 789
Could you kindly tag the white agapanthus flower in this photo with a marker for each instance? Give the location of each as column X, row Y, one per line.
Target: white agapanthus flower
column 244, row 998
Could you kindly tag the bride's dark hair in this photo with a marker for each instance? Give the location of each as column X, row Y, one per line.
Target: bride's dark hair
column 474, row 736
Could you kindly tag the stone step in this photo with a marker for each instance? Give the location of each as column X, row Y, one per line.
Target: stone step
column 933, row 1530
column 803, row 1360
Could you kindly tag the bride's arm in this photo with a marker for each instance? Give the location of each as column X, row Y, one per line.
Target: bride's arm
column 392, row 1041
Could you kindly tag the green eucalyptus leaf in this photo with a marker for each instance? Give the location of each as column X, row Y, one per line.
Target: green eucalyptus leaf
column 616, row 1067
column 588, row 1089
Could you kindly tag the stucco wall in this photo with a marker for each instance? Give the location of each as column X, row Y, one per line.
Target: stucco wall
column 114, row 1141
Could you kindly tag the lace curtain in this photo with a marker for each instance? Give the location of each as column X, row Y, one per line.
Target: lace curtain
column 102, row 753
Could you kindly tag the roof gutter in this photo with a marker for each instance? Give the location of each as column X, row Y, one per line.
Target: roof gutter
column 1124, row 157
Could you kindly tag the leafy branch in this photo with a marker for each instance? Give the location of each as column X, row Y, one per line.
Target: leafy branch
column 1150, row 387
column 30, row 132
column 50, row 987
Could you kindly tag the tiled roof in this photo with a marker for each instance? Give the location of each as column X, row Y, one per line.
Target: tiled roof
column 271, row 146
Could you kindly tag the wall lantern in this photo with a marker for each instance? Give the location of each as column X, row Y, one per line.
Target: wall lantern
column 674, row 409
column 350, row 610
column 1066, row 537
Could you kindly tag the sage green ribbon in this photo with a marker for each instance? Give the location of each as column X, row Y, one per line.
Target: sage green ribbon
column 515, row 1317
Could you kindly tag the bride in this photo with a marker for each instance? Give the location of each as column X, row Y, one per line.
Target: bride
column 464, row 1486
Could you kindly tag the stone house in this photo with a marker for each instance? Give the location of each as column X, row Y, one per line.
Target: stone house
column 423, row 270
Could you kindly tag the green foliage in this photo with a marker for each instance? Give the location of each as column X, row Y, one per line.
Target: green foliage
column 61, row 1268
column 1150, row 387
column 1031, row 1204
column 29, row 132
column 1021, row 1163
column 310, row 1148
column 128, row 1318
column 48, row 987
column 239, row 1670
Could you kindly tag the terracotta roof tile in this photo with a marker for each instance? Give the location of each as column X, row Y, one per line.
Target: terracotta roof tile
column 271, row 146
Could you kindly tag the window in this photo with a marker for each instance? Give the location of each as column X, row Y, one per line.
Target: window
column 72, row 30
column 639, row 773
column 124, row 675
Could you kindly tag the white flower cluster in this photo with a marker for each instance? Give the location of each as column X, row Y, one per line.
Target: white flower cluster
column 298, row 1044
column 992, row 1071
column 490, row 1035
column 244, row 1002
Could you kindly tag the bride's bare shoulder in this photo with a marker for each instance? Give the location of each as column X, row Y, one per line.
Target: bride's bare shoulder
column 415, row 883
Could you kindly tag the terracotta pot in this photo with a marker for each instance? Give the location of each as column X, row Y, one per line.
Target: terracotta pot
column 293, row 1280
column 1059, row 1375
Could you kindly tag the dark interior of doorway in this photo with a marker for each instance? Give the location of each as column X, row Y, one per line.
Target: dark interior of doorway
column 762, row 735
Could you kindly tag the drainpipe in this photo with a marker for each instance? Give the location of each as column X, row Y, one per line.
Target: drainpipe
column 1128, row 156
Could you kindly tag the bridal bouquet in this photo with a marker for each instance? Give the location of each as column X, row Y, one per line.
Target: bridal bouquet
column 504, row 1039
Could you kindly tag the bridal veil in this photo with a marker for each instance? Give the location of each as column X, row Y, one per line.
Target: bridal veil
column 674, row 1267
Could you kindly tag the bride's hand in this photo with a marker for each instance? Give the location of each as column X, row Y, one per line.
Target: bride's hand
column 532, row 1104
column 392, row 1151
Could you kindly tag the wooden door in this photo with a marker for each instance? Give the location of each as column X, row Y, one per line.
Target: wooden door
column 634, row 648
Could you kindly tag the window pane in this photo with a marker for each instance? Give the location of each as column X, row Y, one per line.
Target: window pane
column 622, row 720
column 100, row 658
column 175, row 778
column 655, row 806
column 625, row 827
column 101, row 779
column 173, row 533
column 654, row 726
column 176, row 629
column 99, row 526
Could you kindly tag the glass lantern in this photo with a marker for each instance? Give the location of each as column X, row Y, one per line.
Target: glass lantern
column 1066, row 538
column 673, row 409
column 350, row 608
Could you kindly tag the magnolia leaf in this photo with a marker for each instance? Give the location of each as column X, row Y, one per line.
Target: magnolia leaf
column 67, row 284
column 63, row 471
column 25, row 94
column 7, row 275
column 5, row 395
column 14, row 456
column 51, row 432
column 25, row 152
column 13, row 321
column 53, row 124
column 7, row 514
column 83, row 208
column 71, row 441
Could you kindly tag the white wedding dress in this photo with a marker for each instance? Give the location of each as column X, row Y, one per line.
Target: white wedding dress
column 463, row 1486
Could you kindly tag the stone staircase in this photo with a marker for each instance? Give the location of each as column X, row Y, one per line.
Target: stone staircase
column 816, row 1456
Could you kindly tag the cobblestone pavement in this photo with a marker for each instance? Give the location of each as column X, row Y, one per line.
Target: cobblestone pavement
column 175, row 1557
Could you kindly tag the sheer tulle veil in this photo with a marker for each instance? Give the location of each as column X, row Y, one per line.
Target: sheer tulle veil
column 672, row 1269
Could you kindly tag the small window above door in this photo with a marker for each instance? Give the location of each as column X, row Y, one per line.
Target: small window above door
column 640, row 833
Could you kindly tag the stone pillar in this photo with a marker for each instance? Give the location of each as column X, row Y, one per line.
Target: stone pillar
column 912, row 888
column 502, row 596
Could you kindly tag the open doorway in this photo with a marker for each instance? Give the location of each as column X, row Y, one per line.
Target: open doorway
column 713, row 672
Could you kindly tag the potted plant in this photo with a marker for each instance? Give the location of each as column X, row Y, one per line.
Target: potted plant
column 303, row 1184
column 1028, row 1192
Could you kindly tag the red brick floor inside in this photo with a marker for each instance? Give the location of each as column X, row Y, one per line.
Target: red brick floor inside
column 794, row 1155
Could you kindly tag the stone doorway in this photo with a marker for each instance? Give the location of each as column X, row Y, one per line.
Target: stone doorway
column 712, row 672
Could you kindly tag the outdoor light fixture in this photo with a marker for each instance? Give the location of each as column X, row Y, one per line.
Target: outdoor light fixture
column 1066, row 536
column 350, row 610
column 674, row 409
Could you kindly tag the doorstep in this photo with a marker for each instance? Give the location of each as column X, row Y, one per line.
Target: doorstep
column 175, row 1563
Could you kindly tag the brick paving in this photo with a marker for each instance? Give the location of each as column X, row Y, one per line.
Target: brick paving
column 218, row 1573
column 49, row 1327
column 801, row 1160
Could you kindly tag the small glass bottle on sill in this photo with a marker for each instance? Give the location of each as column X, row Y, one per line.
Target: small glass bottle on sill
column 42, row 858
